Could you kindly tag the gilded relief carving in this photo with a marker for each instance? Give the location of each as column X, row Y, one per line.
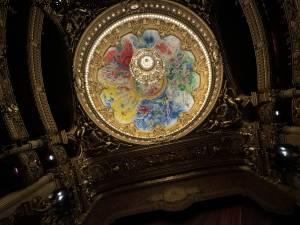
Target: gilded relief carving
column 148, row 77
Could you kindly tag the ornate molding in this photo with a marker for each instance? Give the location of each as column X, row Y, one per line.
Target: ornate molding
column 31, row 200
column 74, row 22
column 226, row 113
column 91, row 140
column 72, row 18
column 178, row 193
column 67, row 176
column 31, row 165
column 251, row 147
column 296, row 110
column 36, row 205
column 143, row 163
column 59, row 153
column 260, row 44
column 201, row 7
column 167, row 19
column 36, row 76
column 292, row 11
column 85, row 181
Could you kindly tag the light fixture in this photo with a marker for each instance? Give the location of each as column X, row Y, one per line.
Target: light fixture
column 60, row 195
column 51, row 157
column 60, row 198
column 16, row 171
column 284, row 153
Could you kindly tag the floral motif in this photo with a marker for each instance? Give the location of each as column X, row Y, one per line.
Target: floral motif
column 148, row 105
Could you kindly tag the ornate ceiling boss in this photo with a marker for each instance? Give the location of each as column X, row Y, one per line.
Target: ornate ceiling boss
column 148, row 72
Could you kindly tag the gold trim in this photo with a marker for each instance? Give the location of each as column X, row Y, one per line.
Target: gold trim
column 179, row 22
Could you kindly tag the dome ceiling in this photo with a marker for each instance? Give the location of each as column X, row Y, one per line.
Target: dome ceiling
column 149, row 73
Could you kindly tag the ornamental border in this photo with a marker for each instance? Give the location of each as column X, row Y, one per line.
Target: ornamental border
column 171, row 9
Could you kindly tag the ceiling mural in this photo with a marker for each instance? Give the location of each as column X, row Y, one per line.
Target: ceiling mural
column 155, row 88
column 150, row 75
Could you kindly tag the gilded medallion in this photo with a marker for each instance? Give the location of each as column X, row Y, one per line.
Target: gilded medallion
column 148, row 72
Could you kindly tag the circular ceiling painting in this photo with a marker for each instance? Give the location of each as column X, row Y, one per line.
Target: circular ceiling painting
column 148, row 72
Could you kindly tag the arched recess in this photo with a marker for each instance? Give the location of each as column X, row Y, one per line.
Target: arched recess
column 260, row 44
column 231, row 28
column 8, row 104
column 57, row 66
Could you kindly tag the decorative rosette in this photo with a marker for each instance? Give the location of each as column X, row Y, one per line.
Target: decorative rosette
column 148, row 71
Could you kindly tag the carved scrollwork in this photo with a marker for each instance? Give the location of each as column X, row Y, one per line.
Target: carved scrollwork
column 59, row 154
column 33, row 167
column 72, row 17
column 175, row 198
column 292, row 9
column 67, row 180
column 251, row 147
column 133, row 164
column 91, row 140
column 269, row 136
column 266, row 112
column 42, row 3
column 88, row 175
column 35, row 206
column 296, row 110
column 227, row 112
column 201, row 7
column 74, row 23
